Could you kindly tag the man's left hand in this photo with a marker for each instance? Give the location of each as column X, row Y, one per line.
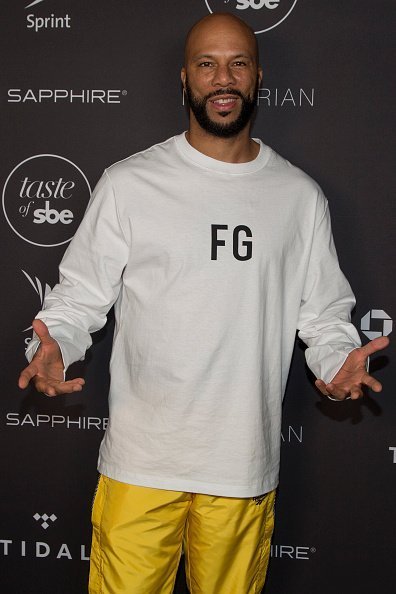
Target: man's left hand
column 352, row 376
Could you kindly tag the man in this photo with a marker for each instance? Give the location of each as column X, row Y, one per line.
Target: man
column 214, row 251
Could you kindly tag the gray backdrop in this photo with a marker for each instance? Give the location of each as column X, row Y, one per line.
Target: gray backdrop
column 85, row 84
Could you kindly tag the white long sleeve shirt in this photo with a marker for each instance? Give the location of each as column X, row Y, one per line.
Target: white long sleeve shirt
column 212, row 267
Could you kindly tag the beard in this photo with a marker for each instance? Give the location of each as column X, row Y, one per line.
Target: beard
column 226, row 130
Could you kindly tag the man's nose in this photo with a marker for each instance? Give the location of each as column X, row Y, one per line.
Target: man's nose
column 223, row 76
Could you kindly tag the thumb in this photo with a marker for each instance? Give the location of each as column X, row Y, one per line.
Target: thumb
column 377, row 344
column 42, row 331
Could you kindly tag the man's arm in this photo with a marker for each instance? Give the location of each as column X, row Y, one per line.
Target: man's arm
column 334, row 351
column 90, row 280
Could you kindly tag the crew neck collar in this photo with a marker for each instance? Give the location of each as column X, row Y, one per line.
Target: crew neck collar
column 206, row 162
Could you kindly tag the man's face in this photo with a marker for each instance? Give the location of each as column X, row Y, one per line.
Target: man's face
column 222, row 100
column 221, row 76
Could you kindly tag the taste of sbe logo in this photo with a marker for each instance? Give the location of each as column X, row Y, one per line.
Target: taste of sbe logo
column 44, row 199
column 261, row 15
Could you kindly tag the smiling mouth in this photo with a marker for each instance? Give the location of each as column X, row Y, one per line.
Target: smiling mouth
column 222, row 104
column 227, row 100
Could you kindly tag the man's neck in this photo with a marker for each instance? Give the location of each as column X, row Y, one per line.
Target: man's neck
column 237, row 149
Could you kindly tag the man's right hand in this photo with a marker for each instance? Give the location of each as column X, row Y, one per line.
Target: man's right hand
column 46, row 368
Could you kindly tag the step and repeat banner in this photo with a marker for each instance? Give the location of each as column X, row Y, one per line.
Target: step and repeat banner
column 85, row 84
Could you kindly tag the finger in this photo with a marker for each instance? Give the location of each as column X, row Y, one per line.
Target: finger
column 336, row 391
column 42, row 331
column 51, row 388
column 321, row 386
column 75, row 385
column 356, row 392
column 377, row 344
column 371, row 382
column 26, row 375
column 58, row 390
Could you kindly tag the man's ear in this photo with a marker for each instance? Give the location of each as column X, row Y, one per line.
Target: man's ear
column 183, row 77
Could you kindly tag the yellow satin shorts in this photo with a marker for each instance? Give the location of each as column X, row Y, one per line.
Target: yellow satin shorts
column 140, row 533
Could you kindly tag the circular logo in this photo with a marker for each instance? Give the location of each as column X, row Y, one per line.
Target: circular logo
column 44, row 199
column 261, row 15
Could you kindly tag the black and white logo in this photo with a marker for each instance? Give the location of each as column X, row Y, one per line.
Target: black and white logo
column 261, row 15
column 367, row 324
column 44, row 199
column 40, row 96
column 34, row 3
column 39, row 288
column 43, row 421
column 45, row 22
column 11, row 549
column 44, row 523
column 299, row 553
column 42, row 291
column 292, row 435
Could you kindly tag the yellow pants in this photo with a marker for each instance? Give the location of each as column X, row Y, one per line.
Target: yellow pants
column 139, row 534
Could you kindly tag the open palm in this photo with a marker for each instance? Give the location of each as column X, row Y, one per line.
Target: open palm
column 46, row 368
column 353, row 376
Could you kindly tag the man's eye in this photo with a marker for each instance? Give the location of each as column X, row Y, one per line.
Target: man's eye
column 205, row 64
column 239, row 63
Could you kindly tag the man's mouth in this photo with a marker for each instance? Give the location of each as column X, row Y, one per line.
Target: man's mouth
column 224, row 103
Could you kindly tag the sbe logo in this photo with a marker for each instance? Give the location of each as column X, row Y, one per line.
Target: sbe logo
column 44, row 199
column 261, row 15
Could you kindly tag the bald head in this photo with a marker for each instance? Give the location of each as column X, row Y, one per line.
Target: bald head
column 221, row 76
column 220, row 26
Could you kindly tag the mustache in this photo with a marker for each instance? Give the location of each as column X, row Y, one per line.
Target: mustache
column 225, row 92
